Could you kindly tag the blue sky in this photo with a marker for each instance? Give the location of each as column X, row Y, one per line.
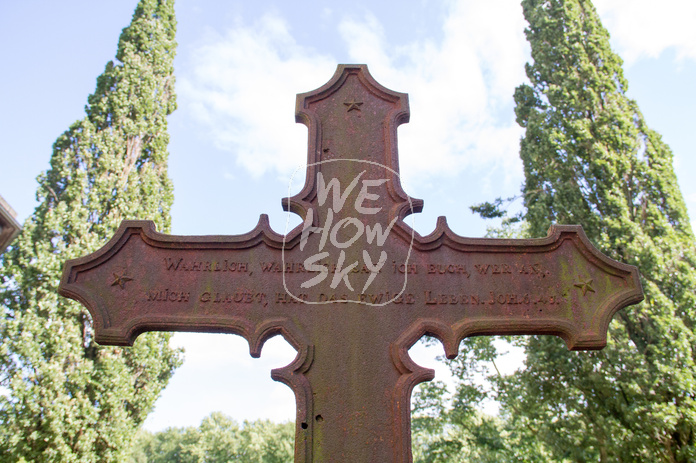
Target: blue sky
column 234, row 142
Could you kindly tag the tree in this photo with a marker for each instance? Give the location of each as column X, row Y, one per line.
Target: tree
column 454, row 429
column 68, row 399
column 590, row 159
column 218, row 439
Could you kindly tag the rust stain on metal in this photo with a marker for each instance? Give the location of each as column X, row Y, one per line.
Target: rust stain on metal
column 353, row 287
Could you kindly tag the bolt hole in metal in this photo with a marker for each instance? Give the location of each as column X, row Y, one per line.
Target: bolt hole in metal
column 319, row 418
column 304, row 425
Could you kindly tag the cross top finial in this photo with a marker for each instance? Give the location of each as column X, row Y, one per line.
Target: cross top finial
column 352, row 122
column 352, row 324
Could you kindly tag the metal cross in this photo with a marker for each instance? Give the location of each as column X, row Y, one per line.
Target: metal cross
column 353, row 287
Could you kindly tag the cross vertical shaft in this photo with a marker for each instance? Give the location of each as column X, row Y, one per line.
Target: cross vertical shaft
column 352, row 287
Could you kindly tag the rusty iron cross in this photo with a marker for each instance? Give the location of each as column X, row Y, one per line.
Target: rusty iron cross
column 353, row 287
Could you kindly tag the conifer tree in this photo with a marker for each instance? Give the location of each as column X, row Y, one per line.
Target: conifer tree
column 67, row 399
column 590, row 159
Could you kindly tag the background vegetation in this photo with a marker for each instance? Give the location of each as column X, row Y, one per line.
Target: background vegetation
column 68, row 399
column 589, row 158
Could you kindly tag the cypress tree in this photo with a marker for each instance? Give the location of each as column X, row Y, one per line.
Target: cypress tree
column 66, row 398
column 590, row 159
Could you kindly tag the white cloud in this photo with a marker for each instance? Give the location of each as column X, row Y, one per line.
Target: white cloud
column 457, row 88
column 647, row 28
column 242, row 88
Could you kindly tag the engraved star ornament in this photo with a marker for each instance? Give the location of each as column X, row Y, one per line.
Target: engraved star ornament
column 353, row 105
column 585, row 286
column 121, row 279
column 352, row 287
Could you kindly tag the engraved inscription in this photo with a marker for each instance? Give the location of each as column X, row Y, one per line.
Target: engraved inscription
column 435, row 299
column 532, row 269
column 492, row 298
column 493, row 269
column 325, row 266
column 263, row 284
column 403, row 268
column 277, row 267
column 479, row 293
column 386, row 296
column 442, row 269
column 285, row 298
column 515, row 299
column 240, row 296
column 182, row 265
column 328, row 267
column 329, row 232
column 165, row 295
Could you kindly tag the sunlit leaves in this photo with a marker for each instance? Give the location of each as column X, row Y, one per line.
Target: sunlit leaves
column 68, row 399
column 590, row 159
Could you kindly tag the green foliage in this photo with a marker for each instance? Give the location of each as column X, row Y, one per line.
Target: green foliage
column 489, row 210
column 495, row 210
column 218, row 439
column 448, row 429
column 66, row 398
column 590, row 159
column 454, row 429
column 511, row 226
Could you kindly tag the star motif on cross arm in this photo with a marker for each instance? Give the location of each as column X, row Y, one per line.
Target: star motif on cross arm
column 585, row 286
column 353, row 105
column 121, row 280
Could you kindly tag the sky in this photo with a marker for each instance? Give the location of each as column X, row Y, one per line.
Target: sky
column 234, row 142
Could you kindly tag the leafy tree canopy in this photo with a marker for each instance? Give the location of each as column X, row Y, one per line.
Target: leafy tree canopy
column 590, row 159
column 68, row 399
column 219, row 439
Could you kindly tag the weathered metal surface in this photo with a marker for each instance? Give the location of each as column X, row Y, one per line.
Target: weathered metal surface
column 352, row 376
column 9, row 227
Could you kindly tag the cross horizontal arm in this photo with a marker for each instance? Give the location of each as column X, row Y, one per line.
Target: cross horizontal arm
column 353, row 287
column 142, row 280
column 560, row 285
